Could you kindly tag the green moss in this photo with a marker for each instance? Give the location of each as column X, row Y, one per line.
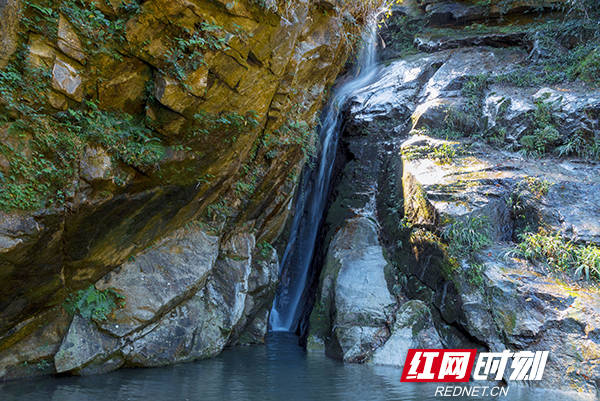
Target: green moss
column 319, row 320
column 507, row 320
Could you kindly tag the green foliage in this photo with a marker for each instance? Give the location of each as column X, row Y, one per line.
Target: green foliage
column 474, row 91
column 448, row 132
column 401, row 33
column 581, row 145
column 460, row 121
column 443, row 153
column 45, row 147
column 127, row 138
column 40, row 16
column 219, row 210
column 265, row 249
column 560, row 255
column 92, row 303
column 92, row 23
column 187, row 53
column 475, row 273
column 587, row 66
column 537, row 186
column 42, row 177
column 22, row 88
column 468, row 235
column 545, row 135
column 292, row 133
column 41, row 160
column 96, row 28
column 568, row 49
column 232, row 123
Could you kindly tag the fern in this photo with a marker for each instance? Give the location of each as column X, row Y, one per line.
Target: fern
column 92, row 303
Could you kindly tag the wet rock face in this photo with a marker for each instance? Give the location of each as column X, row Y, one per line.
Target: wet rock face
column 435, row 147
column 203, row 105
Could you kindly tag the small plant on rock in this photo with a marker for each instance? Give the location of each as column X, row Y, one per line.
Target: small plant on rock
column 265, row 249
column 468, row 235
column 561, row 255
column 92, row 303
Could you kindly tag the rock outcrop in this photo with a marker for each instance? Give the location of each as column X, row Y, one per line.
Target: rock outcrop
column 151, row 150
column 458, row 161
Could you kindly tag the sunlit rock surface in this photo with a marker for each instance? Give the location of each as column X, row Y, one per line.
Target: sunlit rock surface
column 398, row 150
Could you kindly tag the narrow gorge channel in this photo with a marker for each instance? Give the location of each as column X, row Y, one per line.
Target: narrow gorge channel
column 313, row 194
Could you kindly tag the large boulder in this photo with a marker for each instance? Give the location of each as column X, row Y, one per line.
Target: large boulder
column 413, row 328
column 519, row 308
column 179, row 304
column 354, row 305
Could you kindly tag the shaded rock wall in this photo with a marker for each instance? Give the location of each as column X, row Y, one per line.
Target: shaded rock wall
column 158, row 159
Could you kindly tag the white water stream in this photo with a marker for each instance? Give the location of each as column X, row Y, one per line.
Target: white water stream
column 312, row 197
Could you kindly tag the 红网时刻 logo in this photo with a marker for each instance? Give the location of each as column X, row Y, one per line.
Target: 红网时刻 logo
column 458, row 365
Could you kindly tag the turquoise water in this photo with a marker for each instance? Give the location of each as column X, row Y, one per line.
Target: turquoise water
column 281, row 370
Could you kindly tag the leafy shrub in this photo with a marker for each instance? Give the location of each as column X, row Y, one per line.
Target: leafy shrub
column 545, row 135
column 468, row 235
column 92, row 303
column 127, row 137
column 561, row 255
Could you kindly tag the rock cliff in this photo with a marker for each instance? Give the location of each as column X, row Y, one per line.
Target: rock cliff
column 149, row 152
column 467, row 197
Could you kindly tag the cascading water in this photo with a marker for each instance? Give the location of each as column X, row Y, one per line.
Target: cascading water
column 312, row 197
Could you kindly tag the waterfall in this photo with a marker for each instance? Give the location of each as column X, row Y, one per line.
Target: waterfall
column 312, row 196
